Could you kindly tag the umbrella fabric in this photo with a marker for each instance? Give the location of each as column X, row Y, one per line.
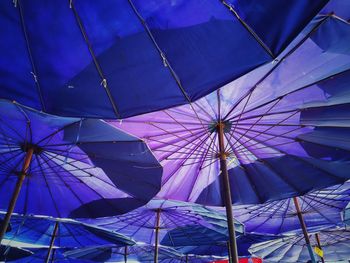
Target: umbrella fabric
column 270, row 128
column 335, row 245
column 205, row 241
column 38, row 231
column 140, row 223
column 115, row 59
column 320, row 209
column 57, row 256
column 139, row 252
column 8, row 253
column 64, row 179
column 346, row 214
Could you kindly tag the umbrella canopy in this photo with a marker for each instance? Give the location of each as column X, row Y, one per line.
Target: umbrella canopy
column 139, row 252
column 58, row 256
column 205, row 241
column 141, row 223
column 39, row 231
column 62, row 178
column 115, row 59
column 8, row 253
column 346, row 214
column 271, row 126
column 335, row 246
column 320, row 209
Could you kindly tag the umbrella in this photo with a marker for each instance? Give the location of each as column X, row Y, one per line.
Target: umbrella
column 60, row 159
column 69, row 234
column 320, row 209
column 311, row 212
column 8, row 253
column 114, row 59
column 151, row 222
column 205, row 241
column 139, row 252
column 261, row 127
column 335, row 247
column 39, row 256
column 44, row 231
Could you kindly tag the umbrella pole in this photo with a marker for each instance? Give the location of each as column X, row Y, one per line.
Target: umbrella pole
column 186, row 258
column 227, row 194
column 157, row 236
column 303, row 227
column 126, row 254
column 317, row 236
column 54, row 233
column 19, row 183
column 229, row 252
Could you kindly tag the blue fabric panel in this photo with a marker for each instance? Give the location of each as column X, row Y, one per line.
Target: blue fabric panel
column 276, row 174
column 277, row 22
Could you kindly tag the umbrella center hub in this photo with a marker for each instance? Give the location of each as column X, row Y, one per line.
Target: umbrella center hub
column 213, row 126
column 36, row 148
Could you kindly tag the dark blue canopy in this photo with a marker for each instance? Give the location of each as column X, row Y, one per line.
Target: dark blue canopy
column 8, row 253
column 115, row 59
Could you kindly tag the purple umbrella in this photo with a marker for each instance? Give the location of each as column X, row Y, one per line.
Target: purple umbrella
column 262, row 127
column 67, row 167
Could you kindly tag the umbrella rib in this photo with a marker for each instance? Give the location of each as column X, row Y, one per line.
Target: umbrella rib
column 47, row 184
column 94, row 58
column 277, row 64
column 248, row 28
column 67, row 185
column 287, row 202
column 269, row 217
column 30, row 56
column 161, row 53
column 14, row 167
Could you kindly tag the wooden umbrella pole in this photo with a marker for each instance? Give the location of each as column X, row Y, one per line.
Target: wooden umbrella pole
column 317, row 236
column 52, row 241
column 229, row 253
column 303, row 227
column 126, row 254
column 186, row 258
column 19, row 183
column 227, row 194
column 156, row 236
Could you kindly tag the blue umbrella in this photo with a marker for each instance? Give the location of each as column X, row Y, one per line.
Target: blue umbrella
column 153, row 221
column 44, row 231
column 320, row 209
column 39, row 256
column 205, row 241
column 8, row 253
column 334, row 243
column 139, row 253
column 60, row 159
column 114, row 59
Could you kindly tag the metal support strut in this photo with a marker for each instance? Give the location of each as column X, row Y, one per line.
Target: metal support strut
column 19, row 183
column 227, row 194
column 303, row 227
